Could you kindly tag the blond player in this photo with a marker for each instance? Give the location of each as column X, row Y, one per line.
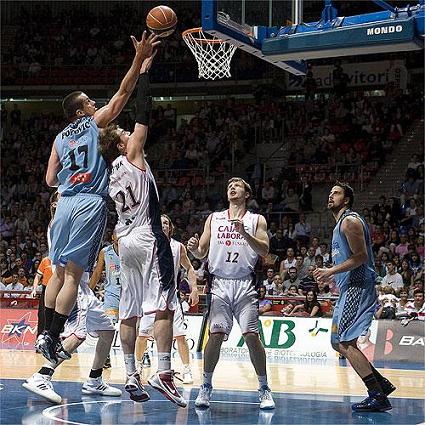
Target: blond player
column 179, row 329
column 146, row 261
column 233, row 240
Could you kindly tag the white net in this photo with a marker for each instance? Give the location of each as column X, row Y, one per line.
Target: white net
column 212, row 54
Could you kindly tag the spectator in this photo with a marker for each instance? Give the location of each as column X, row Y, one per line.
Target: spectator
column 406, row 273
column 289, row 261
column 392, row 278
column 277, row 289
column 278, row 245
column 415, row 263
column 402, row 302
column 311, row 306
column 417, row 307
column 264, row 305
column 14, row 286
column 6, row 274
column 308, row 283
column 292, row 278
column 301, row 267
column 323, row 290
column 292, row 291
column 310, row 260
column 388, row 302
column 22, row 278
column 303, row 230
column 319, row 261
column 380, row 269
column 268, row 282
column 324, row 252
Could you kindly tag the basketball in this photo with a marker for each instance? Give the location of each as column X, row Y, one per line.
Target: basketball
column 161, row 20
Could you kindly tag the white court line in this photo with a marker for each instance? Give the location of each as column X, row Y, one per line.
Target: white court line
column 47, row 412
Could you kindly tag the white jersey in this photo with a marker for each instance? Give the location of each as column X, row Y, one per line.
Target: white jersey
column 135, row 195
column 176, row 250
column 229, row 255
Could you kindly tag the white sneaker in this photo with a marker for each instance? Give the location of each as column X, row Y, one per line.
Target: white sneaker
column 266, row 398
column 187, row 376
column 135, row 388
column 96, row 386
column 204, row 395
column 41, row 385
column 163, row 381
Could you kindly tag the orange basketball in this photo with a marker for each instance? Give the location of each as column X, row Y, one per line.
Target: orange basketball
column 162, row 20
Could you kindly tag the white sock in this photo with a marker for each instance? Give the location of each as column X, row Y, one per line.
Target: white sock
column 130, row 364
column 186, row 367
column 208, row 378
column 164, row 361
column 262, row 380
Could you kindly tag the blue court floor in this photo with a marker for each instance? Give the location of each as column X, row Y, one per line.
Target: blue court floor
column 229, row 407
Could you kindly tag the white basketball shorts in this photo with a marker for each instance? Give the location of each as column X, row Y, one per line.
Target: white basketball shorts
column 145, row 272
column 87, row 316
column 233, row 298
column 146, row 325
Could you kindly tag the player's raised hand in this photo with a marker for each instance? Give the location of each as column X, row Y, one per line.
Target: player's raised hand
column 193, row 243
column 146, row 45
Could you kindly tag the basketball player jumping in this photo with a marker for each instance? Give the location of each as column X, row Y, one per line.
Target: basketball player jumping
column 80, row 172
column 86, row 317
column 233, row 240
column 354, row 272
column 147, row 268
column 179, row 329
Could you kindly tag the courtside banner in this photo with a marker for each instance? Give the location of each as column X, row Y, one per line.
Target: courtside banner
column 401, row 343
column 18, row 328
column 285, row 337
column 193, row 330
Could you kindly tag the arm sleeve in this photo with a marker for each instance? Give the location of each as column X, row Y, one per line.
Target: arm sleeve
column 143, row 100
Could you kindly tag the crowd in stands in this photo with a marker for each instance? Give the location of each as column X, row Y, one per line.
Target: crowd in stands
column 340, row 130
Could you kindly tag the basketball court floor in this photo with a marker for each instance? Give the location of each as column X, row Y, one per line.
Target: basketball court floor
column 306, row 392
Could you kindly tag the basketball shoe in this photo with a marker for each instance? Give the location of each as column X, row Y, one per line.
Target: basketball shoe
column 387, row 386
column 187, row 375
column 266, row 398
column 376, row 402
column 96, row 386
column 204, row 395
column 135, row 388
column 46, row 345
column 164, row 382
column 41, row 385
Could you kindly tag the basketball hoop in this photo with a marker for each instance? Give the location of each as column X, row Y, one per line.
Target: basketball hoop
column 212, row 54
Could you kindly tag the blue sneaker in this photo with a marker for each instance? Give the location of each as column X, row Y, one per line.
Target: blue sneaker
column 376, row 402
column 387, row 386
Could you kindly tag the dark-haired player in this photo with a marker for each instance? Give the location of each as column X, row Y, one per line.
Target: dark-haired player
column 79, row 171
column 354, row 272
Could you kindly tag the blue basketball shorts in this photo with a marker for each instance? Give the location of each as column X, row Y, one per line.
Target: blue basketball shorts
column 353, row 312
column 77, row 230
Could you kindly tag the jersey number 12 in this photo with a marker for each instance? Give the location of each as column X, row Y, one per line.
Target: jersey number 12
column 235, row 256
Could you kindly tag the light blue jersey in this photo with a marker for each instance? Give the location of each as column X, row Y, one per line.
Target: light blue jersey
column 353, row 312
column 362, row 275
column 83, row 168
column 112, row 284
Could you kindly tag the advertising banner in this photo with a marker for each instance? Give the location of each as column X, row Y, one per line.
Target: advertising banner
column 18, row 328
column 193, row 326
column 359, row 75
column 285, row 337
column 400, row 343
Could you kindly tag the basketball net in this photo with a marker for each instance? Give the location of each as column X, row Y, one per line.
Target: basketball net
column 212, row 54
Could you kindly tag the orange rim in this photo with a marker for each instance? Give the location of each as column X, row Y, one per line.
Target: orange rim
column 201, row 40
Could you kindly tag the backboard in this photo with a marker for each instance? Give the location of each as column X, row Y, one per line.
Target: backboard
column 275, row 31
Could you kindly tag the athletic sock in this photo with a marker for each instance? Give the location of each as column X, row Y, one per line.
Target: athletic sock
column 58, row 324
column 262, row 380
column 95, row 373
column 164, row 361
column 130, row 364
column 372, row 383
column 208, row 378
column 186, row 367
column 48, row 317
column 376, row 374
column 45, row 370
